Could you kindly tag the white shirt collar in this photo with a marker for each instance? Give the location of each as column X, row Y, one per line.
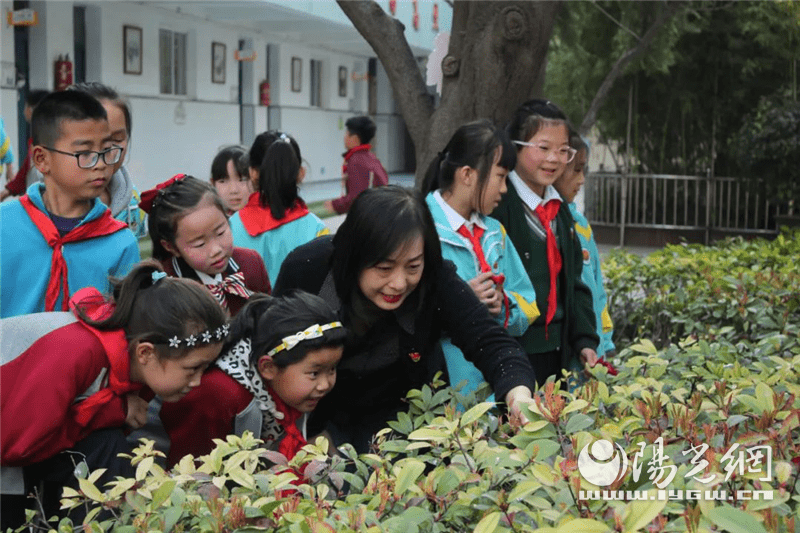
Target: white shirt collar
column 205, row 279
column 453, row 217
column 530, row 198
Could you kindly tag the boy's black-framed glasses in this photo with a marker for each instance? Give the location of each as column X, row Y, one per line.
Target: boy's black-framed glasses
column 89, row 158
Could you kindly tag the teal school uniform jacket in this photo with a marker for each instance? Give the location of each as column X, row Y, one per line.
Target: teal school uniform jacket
column 26, row 257
column 593, row 278
column 502, row 256
column 274, row 245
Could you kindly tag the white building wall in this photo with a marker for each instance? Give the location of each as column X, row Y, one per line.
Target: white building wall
column 183, row 133
column 8, row 90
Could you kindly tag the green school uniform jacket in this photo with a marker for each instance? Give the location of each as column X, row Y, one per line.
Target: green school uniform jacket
column 573, row 327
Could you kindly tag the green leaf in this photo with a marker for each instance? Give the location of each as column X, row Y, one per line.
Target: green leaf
column 640, row 513
column 163, row 492
column 475, row 412
column 578, row 422
column 143, row 468
column 734, row 520
column 91, row 492
column 171, row 517
column 523, row 489
column 409, row 472
column 575, row 405
column 488, row 523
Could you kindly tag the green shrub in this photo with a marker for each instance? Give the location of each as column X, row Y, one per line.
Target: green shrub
column 736, row 288
column 731, row 380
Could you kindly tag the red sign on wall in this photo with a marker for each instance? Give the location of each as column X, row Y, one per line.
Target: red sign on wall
column 63, row 73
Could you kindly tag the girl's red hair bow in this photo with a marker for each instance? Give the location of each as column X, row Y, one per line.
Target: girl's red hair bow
column 149, row 196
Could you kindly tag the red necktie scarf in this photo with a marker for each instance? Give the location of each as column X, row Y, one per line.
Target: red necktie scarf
column 105, row 225
column 257, row 219
column 233, row 284
column 91, row 302
column 475, row 240
column 351, row 151
column 293, row 440
column 546, row 213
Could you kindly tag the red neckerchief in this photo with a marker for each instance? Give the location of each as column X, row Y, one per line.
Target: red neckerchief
column 92, row 303
column 351, row 151
column 293, row 440
column 105, row 225
column 257, row 219
column 475, row 240
column 546, row 213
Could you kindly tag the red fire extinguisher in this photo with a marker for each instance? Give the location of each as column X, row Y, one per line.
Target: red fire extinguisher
column 263, row 92
column 63, row 73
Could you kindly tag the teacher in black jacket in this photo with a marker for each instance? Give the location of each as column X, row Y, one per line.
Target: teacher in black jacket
column 384, row 271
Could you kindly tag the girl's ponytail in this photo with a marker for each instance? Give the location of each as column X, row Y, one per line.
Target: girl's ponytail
column 432, row 180
column 278, row 176
column 151, row 307
column 245, row 324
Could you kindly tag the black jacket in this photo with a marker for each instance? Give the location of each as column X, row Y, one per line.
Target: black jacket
column 364, row 398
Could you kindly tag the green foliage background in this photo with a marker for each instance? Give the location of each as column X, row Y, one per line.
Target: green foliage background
column 702, row 79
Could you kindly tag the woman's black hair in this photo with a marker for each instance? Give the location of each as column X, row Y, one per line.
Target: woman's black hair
column 219, row 166
column 380, row 222
column 260, row 146
column 363, row 127
column 277, row 181
column 173, row 203
column 266, row 320
column 104, row 92
column 474, row 145
column 531, row 116
column 157, row 310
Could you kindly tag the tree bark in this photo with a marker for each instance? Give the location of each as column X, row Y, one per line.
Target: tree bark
column 590, row 117
column 495, row 62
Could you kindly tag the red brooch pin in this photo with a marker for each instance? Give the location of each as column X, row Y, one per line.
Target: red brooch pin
column 585, row 254
column 414, row 356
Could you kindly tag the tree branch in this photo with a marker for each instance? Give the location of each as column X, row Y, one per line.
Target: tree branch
column 385, row 35
column 615, row 21
column 616, row 71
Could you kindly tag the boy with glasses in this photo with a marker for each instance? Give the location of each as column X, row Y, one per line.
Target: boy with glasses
column 59, row 237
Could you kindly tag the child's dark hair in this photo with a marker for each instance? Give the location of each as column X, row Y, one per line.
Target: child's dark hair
column 59, row 106
column 577, row 142
column 531, row 116
column 364, row 127
column 277, row 182
column 219, row 166
column 381, row 221
column 259, row 147
column 158, row 310
column 266, row 320
column 475, row 145
column 35, row 96
column 104, row 92
column 174, row 202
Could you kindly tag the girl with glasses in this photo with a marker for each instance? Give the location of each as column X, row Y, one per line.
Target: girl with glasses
column 542, row 230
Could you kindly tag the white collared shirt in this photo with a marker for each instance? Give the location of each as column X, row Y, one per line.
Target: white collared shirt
column 205, row 279
column 454, row 218
column 530, row 198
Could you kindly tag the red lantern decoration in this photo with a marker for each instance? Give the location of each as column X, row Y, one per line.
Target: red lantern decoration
column 392, row 6
column 263, row 93
column 415, row 18
column 435, row 17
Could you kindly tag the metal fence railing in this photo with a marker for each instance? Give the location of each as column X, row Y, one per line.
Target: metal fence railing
column 668, row 202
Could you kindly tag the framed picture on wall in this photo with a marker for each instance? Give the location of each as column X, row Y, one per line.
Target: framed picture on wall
column 217, row 63
column 343, row 82
column 131, row 49
column 297, row 74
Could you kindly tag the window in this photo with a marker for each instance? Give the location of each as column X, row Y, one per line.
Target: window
column 316, row 83
column 172, row 61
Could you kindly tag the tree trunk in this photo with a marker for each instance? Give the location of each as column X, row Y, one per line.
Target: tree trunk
column 495, row 62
